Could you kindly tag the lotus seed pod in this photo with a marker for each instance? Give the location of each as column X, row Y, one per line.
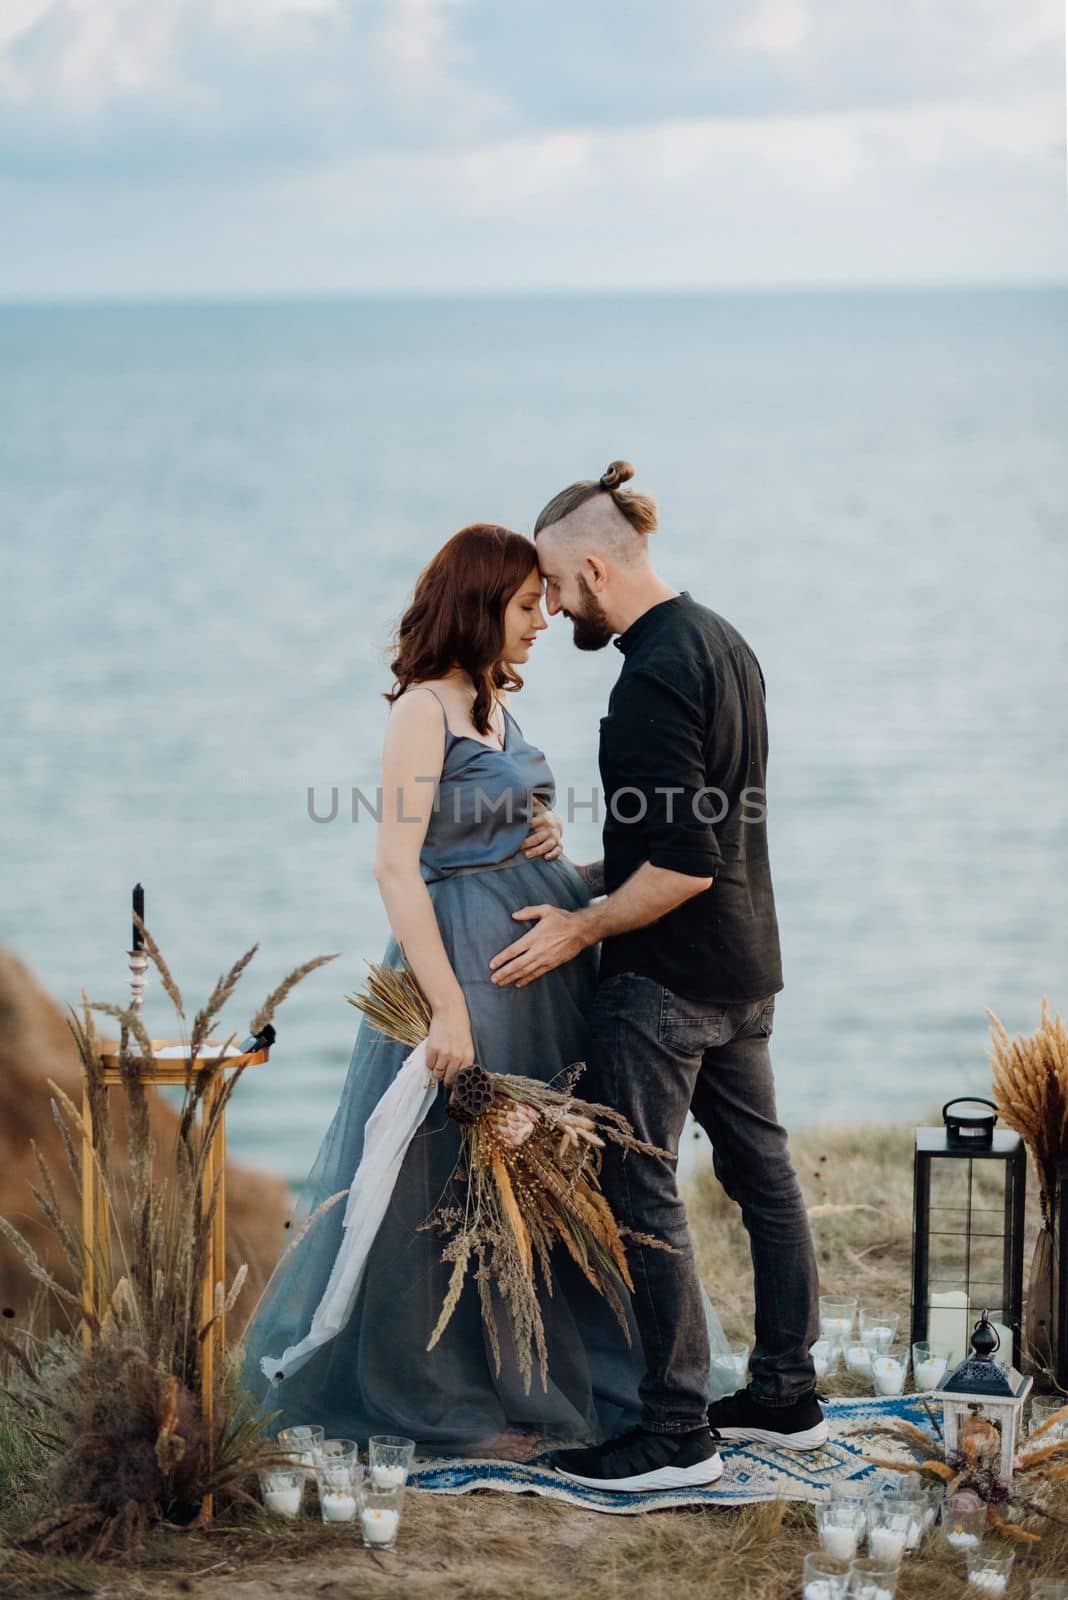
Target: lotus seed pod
column 472, row 1094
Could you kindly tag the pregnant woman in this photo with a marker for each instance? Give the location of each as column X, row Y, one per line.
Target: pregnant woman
column 465, row 839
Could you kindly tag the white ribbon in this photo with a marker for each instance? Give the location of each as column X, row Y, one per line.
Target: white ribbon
column 389, row 1131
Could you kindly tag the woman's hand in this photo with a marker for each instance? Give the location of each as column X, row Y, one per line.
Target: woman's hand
column 449, row 1042
column 546, row 836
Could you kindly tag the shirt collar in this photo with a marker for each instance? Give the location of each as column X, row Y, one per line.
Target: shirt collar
column 648, row 619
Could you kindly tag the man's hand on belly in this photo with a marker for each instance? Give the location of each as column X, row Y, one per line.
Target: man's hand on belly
column 556, row 937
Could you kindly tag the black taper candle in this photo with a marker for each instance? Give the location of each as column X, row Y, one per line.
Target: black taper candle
column 139, row 907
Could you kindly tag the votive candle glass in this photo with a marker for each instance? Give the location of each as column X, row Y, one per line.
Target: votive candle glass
column 380, row 1514
column 930, row 1364
column 871, row 1579
column 388, row 1459
column 304, row 1445
column 989, row 1571
column 963, row 1523
column 878, row 1329
column 836, row 1316
column 825, row 1576
column 840, row 1529
column 282, row 1489
column 889, row 1369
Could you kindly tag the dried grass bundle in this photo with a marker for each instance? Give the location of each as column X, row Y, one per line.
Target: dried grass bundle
column 973, row 1469
column 1031, row 1092
column 119, row 1416
column 530, row 1162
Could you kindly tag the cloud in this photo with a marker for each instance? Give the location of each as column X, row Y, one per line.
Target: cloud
column 775, row 26
column 193, row 86
column 192, row 146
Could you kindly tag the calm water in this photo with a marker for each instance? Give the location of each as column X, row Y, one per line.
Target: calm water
column 212, row 515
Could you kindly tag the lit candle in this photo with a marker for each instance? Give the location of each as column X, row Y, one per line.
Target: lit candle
column 858, row 1359
column 929, row 1373
column 379, row 1524
column 283, row 1502
column 388, row 1477
column 876, row 1337
column 989, row 1582
column 139, row 907
column 887, row 1544
column 889, row 1375
column 839, row 1541
column 961, row 1539
column 338, row 1507
column 836, row 1327
column 817, row 1589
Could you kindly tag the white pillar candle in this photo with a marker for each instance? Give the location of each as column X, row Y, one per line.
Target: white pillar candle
column 889, row 1375
column 886, row 1544
column 948, row 1325
column 379, row 1524
column 338, row 1507
column 836, row 1327
column 929, row 1373
column 283, row 1502
column 915, row 1535
column 384, row 1477
column 839, row 1541
column 817, row 1589
column 1004, row 1350
column 961, row 1539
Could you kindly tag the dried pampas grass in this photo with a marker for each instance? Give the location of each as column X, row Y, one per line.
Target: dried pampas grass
column 1031, row 1092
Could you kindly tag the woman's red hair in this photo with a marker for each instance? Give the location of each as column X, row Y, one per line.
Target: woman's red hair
column 456, row 618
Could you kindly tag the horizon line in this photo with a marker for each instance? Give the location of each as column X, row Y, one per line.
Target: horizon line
column 223, row 297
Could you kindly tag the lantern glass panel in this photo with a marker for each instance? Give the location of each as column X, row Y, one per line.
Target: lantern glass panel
column 968, row 1239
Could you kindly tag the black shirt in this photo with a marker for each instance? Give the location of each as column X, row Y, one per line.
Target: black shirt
column 683, row 754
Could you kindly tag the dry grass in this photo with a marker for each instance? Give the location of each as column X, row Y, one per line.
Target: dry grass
column 858, row 1185
column 118, row 1421
column 484, row 1546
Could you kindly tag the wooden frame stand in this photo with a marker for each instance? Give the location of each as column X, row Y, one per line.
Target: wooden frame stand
column 95, row 1229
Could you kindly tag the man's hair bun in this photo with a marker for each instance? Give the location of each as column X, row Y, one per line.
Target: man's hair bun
column 616, row 473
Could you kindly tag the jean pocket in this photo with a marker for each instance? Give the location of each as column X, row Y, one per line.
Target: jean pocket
column 690, row 1025
column 765, row 1018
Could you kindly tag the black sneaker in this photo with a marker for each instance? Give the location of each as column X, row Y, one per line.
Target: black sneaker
column 640, row 1460
column 800, row 1426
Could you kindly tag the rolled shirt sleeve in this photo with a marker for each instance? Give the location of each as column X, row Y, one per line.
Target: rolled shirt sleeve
column 658, row 794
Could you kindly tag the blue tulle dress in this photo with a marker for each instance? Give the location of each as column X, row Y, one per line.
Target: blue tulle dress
column 376, row 1375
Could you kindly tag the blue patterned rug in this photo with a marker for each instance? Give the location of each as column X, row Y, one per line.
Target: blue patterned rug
column 751, row 1472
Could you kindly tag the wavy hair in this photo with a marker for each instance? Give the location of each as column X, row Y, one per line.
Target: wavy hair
column 456, row 615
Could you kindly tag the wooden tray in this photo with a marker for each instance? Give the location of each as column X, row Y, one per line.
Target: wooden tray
column 172, row 1067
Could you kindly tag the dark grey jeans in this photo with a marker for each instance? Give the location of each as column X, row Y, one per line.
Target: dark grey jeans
column 656, row 1056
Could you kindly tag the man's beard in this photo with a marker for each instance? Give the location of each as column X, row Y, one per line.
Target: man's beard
column 592, row 628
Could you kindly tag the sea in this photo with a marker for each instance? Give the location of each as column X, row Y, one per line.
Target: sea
column 213, row 514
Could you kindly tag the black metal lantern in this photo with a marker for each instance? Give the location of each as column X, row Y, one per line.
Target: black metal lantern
column 968, row 1229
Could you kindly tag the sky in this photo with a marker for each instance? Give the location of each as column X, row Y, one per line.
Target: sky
column 273, row 147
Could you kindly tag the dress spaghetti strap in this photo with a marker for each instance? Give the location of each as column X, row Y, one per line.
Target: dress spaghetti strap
column 413, row 688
